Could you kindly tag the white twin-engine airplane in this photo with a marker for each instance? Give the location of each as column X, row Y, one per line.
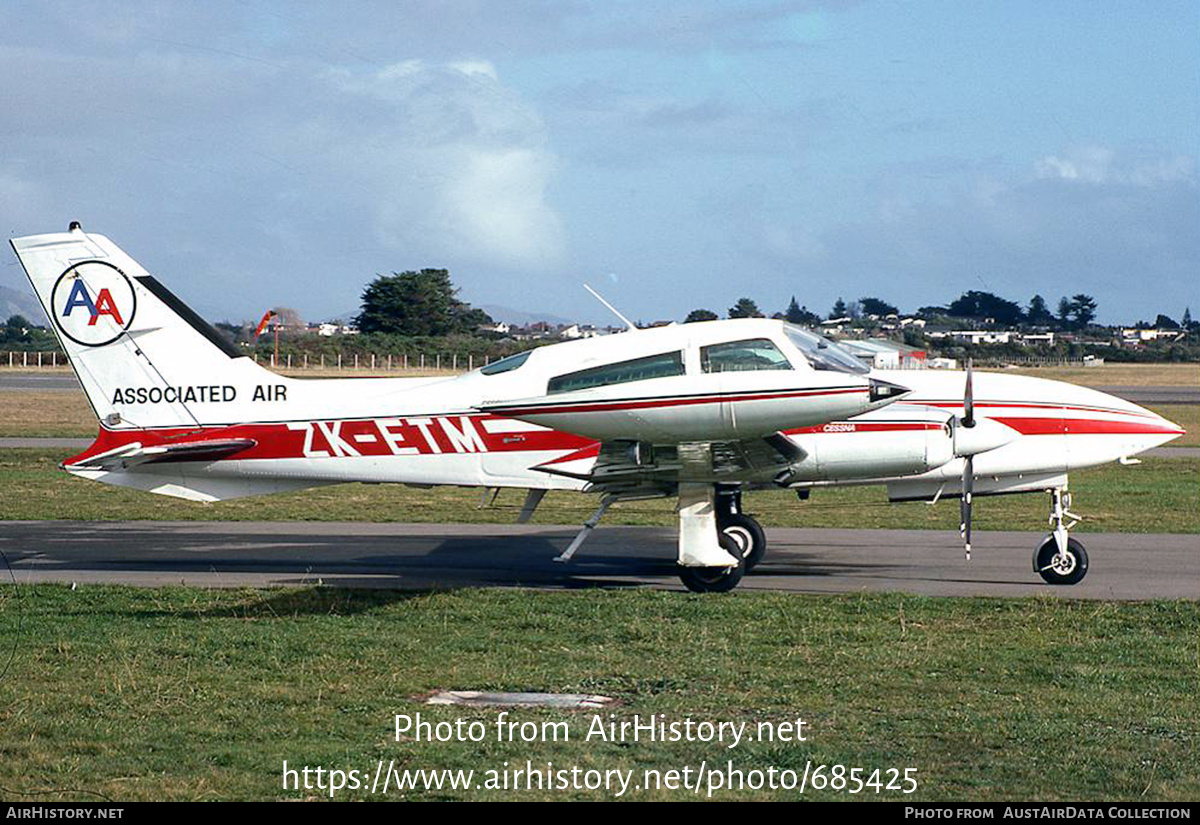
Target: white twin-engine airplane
column 701, row 412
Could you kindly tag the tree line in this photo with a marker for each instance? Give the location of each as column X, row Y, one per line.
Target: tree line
column 1076, row 312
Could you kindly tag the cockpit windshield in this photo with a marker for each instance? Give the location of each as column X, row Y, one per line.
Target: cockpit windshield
column 506, row 364
column 822, row 353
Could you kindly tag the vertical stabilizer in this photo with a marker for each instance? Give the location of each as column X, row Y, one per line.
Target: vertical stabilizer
column 143, row 357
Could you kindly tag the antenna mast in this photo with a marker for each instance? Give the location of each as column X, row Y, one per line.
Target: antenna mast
column 628, row 324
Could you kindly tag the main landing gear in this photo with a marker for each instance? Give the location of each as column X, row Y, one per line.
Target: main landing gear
column 1061, row 559
column 733, row 522
column 718, row 542
column 705, row 510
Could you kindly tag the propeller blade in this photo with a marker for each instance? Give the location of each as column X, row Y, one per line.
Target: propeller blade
column 968, row 419
column 968, row 487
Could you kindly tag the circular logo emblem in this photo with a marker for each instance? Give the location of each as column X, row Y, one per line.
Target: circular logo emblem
column 93, row 303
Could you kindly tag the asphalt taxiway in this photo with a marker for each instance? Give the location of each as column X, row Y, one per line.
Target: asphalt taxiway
column 227, row 554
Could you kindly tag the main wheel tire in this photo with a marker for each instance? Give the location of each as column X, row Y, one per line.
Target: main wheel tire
column 749, row 536
column 715, row 579
column 1069, row 569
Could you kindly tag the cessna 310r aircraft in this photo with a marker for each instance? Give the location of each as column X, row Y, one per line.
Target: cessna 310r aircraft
column 701, row 412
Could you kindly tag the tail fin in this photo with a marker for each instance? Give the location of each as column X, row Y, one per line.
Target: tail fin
column 143, row 357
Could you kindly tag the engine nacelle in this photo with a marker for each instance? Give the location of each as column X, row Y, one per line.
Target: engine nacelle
column 846, row 450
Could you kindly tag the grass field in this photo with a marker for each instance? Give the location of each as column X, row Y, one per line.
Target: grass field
column 1116, row 375
column 1157, row 496
column 188, row 694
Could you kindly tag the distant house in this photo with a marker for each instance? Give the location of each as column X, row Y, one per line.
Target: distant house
column 1133, row 335
column 981, row 336
column 1046, row 338
column 330, row 328
column 882, row 354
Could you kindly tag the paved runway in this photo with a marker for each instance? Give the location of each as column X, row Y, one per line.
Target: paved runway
column 226, row 554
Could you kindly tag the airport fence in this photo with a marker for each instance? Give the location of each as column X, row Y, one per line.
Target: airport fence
column 441, row 361
column 355, row 362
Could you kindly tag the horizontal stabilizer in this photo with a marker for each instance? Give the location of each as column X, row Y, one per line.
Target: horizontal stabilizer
column 130, row 455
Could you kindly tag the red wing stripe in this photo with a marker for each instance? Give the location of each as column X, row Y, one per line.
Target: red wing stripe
column 1085, row 426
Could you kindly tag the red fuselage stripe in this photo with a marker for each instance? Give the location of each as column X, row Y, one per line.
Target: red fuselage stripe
column 451, row 434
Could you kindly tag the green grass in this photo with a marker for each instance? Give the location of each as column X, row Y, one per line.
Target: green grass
column 1156, row 496
column 190, row 694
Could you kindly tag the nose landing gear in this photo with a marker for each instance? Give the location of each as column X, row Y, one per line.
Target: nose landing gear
column 1061, row 559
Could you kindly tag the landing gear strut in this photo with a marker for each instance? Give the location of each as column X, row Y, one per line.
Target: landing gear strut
column 743, row 529
column 1061, row 559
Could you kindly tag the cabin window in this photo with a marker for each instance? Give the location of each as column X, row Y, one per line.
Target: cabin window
column 639, row 369
column 743, row 356
column 505, row 364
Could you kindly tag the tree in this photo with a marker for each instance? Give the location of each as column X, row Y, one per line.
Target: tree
column 416, row 303
column 744, row 308
column 287, row 318
column 976, row 304
column 797, row 314
column 1083, row 310
column 701, row 315
column 1039, row 313
column 16, row 329
column 1165, row 322
column 874, row 306
column 1064, row 312
column 840, row 310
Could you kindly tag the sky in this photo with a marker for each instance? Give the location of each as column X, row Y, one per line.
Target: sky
column 674, row 155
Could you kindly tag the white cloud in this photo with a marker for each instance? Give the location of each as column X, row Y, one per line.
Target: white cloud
column 459, row 164
column 1090, row 164
column 1097, row 164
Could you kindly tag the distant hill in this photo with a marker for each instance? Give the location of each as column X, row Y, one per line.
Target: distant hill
column 15, row 302
column 515, row 316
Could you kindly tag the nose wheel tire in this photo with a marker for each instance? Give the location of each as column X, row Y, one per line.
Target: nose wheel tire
column 1065, row 568
column 747, row 534
column 715, row 579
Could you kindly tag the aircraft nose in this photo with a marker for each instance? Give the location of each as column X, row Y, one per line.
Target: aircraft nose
column 886, row 391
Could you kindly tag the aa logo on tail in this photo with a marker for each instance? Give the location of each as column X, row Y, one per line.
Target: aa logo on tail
column 93, row 303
